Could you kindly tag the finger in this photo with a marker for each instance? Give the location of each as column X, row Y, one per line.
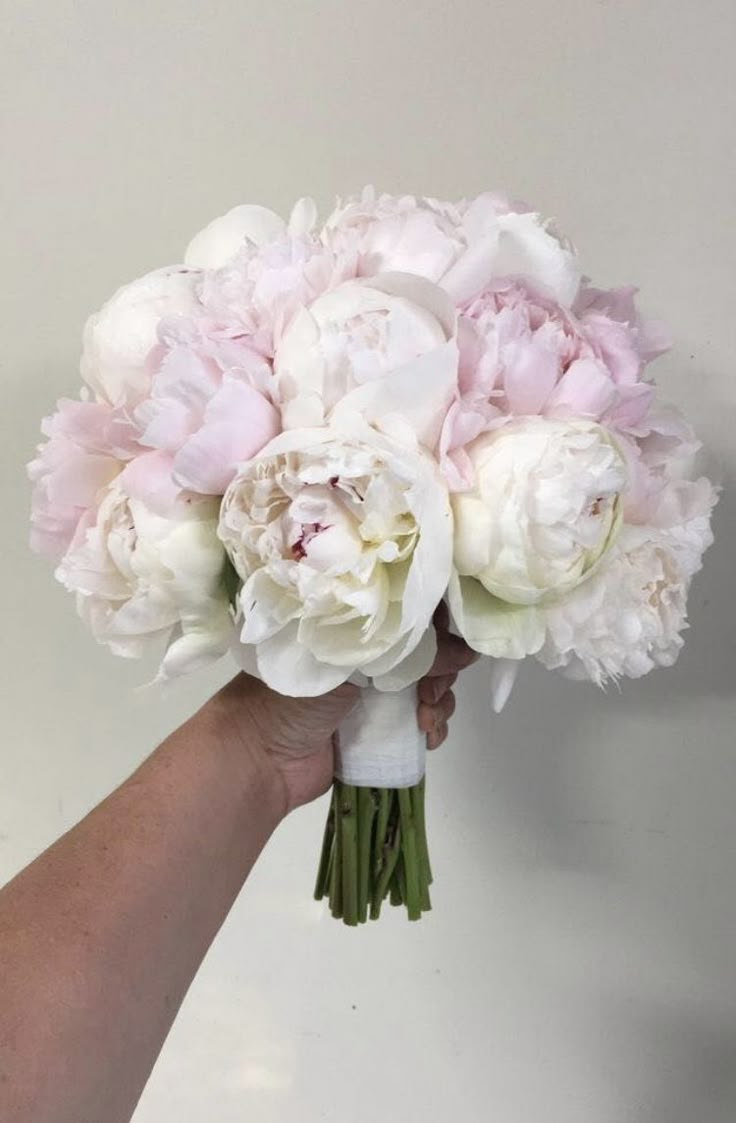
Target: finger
column 453, row 654
column 447, row 706
column 436, row 737
column 431, row 717
column 431, row 689
column 427, row 717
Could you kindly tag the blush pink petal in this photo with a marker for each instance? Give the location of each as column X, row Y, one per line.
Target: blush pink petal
column 584, row 390
column 210, row 405
column 530, row 375
column 238, row 422
column 632, row 409
column 649, row 338
column 149, row 478
column 614, row 343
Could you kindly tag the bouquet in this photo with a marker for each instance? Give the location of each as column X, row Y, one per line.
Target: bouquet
column 300, row 442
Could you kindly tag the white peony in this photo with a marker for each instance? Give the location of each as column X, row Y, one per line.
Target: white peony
column 343, row 540
column 381, row 345
column 628, row 617
column 119, row 338
column 140, row 577
column 222, row 238
column 545, row 506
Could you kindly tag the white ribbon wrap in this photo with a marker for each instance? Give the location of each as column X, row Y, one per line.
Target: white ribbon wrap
column 379, row 744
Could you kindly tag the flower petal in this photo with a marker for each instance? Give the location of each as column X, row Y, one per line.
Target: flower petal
column 221, row 239
column 149, row 479
column 584, row 390
column 411, row 668
column 417, row 395
column 288, row 667
column 238, row 422
column 492, row 626
column 526, row 248
column 503, row 676
column 473, row 270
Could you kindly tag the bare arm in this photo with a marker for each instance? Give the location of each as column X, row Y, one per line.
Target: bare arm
column 101, row 936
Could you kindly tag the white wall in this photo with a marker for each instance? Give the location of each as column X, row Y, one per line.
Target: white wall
column 580, row 964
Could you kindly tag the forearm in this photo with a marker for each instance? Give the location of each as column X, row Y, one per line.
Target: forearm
column 101, row 936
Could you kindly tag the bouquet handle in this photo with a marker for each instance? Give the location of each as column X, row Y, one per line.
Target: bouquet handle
column 375, row 841
column 379, row 744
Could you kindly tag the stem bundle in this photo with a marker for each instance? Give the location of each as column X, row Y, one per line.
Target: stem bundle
column 374, row 847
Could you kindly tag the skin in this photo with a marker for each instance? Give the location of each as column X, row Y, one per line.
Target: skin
column 101, row 936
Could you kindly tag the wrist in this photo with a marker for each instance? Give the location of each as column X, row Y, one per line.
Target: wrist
column 230, row 722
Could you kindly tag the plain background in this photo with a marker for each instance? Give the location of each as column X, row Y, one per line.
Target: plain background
column 580, row 965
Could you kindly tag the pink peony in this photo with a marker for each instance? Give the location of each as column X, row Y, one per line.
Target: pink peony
column 462, row 246
column 209, row 406
column 523, row 354
column 87, row 447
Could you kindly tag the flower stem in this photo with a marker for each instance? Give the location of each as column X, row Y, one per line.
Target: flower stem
column 410, row 856
column 336, row 872
column 391, row 851
column 349, row 831
column 325, row 859
column 425, row 868
column 366, row 814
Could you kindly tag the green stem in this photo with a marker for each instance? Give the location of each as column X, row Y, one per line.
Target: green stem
column 379, row 841
column 425, row 869
column 366, row 815
column 410, row 856
column 391, row 851
column 349, row 831
column 398, row 884
column 323, row 872
column 336, row 871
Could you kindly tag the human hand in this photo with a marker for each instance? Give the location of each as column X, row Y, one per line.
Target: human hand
column 292, row 738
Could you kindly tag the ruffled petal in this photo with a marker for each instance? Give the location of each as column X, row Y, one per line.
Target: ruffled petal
column 527, row 249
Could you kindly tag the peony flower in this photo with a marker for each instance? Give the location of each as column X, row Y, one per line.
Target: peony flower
column 462, row 247
column 628, row 617
column 209, row 405
column 88, row 443
column 378, row 345
column 545, row 508
column 522, row 354
column 140, row 577
column 118, row 340
column 343, row 541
